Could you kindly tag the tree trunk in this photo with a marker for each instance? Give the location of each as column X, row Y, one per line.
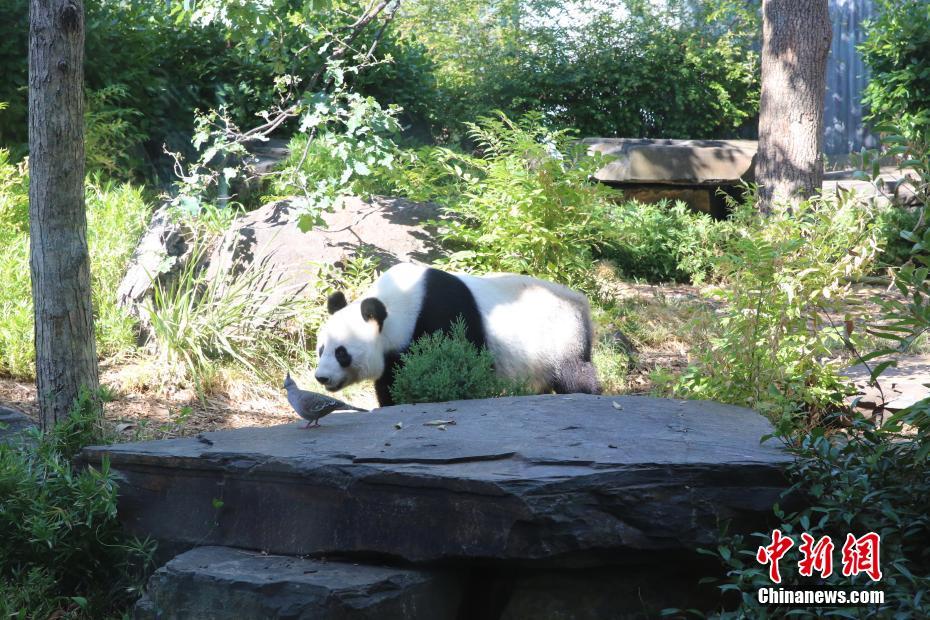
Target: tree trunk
column 66, row 356
column 795, row 42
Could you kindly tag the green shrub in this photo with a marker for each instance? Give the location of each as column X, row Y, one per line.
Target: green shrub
column 440, row 367
column 14, row 197
column 345, row 138
column 111, row 132
column 783, row 275
column 864, row 479
column 63, row 548
column 897, row 51
column 426, row 174
column 661, row 242
column 892, row 222
column 530, row 206
column 591, row 65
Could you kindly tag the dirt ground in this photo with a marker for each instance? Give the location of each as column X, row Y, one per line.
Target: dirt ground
column 143, row 414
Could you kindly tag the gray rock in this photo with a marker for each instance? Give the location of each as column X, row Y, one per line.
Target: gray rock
column 387, row 229
column 13, row 423
column 692, row 171
column 556, row 479
column 390, row 230
column 603, row 593
column 898, row 387
column 162, row 253
column 218, row 583
column 677, row 162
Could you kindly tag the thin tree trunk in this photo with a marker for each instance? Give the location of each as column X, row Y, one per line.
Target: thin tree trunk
column 795, row 42
column 66, row 356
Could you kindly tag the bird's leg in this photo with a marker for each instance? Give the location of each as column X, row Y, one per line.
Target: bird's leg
column 309, row 424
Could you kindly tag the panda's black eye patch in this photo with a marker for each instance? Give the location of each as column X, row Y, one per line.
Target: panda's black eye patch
column 320, row 351
column 343, row 357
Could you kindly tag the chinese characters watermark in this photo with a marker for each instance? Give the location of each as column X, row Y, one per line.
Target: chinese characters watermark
column 859, row 555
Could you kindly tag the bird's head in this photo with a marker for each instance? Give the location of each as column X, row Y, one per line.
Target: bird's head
column 288, row 382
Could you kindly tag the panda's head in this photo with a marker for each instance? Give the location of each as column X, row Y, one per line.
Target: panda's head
column 349, row 346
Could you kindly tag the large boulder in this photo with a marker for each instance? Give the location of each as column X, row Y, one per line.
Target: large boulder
column 574, row 480
column 390, row 230
column 675, row 162
column 285, row 260
column 162, row 253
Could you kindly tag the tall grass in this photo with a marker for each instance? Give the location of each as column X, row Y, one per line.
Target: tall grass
column 206, row 317
column 116, row 216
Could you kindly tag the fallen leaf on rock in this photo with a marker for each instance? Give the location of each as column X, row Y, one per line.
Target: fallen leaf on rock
column 399, row 425
column 616, row 405
column 439, row 423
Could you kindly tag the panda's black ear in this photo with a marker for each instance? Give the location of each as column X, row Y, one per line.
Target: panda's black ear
column 374, row 310
column 336, row 302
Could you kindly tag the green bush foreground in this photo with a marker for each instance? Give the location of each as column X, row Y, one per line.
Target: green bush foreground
column 63, row 551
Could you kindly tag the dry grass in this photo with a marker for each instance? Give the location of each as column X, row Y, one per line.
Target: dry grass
column 141, row 410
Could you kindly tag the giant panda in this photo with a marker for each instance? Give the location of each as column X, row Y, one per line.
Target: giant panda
column 537, row 332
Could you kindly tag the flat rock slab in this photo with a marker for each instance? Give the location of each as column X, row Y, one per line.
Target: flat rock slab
column 555, row 478
column 219, row 583
column 675, row 162
column 901, row 385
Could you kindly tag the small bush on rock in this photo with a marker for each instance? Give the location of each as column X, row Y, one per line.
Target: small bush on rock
column 440, row 367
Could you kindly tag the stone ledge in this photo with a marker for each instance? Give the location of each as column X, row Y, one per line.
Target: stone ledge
column 561, row 480
column 223, row 583
column 675, row 162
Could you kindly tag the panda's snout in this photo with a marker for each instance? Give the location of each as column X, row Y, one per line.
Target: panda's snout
column 322, row 380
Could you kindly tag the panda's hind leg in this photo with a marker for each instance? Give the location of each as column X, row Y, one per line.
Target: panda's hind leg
column 576, row 377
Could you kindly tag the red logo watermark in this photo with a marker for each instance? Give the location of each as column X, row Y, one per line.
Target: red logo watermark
column 859, row 555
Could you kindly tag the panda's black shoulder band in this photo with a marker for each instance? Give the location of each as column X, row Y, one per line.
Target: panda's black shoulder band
column 373, row 309
column 336, row 302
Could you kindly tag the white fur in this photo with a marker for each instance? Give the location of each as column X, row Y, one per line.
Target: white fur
column 531, row 325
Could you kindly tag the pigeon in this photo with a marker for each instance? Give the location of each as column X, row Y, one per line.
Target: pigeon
column 312, row 406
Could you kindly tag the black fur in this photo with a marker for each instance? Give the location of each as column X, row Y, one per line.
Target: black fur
column 445, row 298
column 588, row 339
column 343, row 357
column 373, row 308
column 336, row 302
column 576, row 377
column 384, row 382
